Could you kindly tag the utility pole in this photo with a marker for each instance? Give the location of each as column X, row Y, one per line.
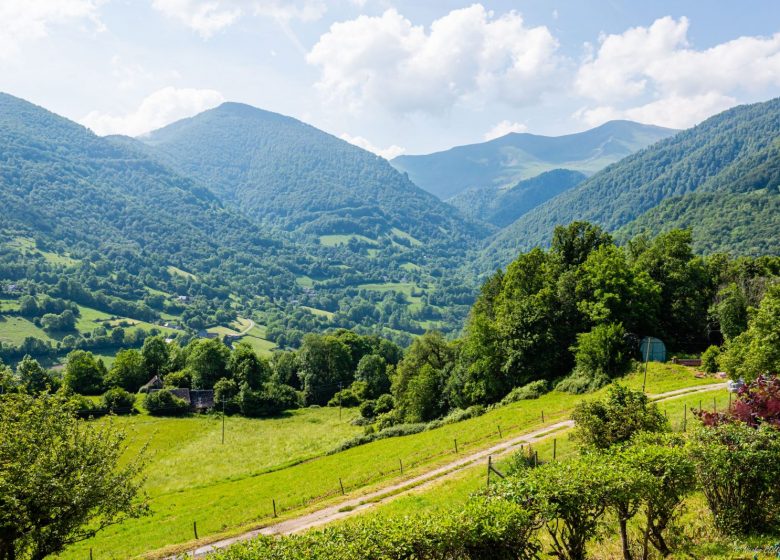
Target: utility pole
column 647, row 359
column 223, row 420
column 339, row 402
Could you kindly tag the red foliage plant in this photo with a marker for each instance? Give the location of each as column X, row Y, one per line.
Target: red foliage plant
column 758, row 402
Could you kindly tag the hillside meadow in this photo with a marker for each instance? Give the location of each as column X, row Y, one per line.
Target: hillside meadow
column 227, row 489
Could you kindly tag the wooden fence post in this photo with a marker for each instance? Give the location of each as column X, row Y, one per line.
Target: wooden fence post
column 456, row 446
column 274, row 503
column 195, row 529
column 555, row 448
column 342, row 486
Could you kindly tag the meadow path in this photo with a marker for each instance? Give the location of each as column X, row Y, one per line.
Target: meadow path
column 363, row 502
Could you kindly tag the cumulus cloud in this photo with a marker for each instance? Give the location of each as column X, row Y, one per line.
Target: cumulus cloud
column 157, row 110
column 653, row 74
column 25, row 20
column 503, row 128
column 388, row 153
column 207, row 17
column 468, row 55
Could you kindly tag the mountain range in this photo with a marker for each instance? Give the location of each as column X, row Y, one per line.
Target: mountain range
column 718, row 178
column 503, row 162
column 243, row 204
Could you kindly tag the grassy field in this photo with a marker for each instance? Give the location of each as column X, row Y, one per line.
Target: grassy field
column 232, row 488
column 183, row 273
column 334, row 240
column 403, row 235
column 318, row 312
column 13, row 330
column 256, row 339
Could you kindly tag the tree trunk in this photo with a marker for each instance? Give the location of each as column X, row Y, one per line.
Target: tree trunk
column 624, row 539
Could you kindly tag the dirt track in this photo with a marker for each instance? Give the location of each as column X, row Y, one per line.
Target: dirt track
column 352, row 506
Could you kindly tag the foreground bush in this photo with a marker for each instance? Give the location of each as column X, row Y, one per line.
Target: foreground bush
column 165, row 403
column 485, row 529
column 738, row 468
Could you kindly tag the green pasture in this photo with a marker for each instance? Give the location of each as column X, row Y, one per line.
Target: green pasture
column 226, row 489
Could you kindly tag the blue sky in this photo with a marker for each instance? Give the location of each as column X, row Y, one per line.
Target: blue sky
column 392, row 76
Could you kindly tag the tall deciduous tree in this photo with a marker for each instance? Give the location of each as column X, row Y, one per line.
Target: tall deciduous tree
column 61, row 480
column 84, row 374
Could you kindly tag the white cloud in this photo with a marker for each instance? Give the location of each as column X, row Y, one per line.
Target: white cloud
column 388, row 153
column 466, row 56
column 207, row 17
column 673, row 111
column 157, row 110
column 503, row 128
column 653, row 74
column 26, row 20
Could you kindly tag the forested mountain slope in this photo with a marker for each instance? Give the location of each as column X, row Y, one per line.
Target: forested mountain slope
column 505, row 161
column 67, row 188
column 501, row 207
column 291, row 175
column 726, row 160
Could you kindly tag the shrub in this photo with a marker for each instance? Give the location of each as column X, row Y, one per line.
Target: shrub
column 384, row 403
column 181, row 379
column 663, row 458
column 118, row 401
column 484, row 529
column 581, row 382
column 367, row 409
column 532, row 390
column 570, row 497
column 345, row 397
column 271, row 400
column 710, row 359
column 165, row 403
column 225, row 395
column 615, row 419
column 737, row 469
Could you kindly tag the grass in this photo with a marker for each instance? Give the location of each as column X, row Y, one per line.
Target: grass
column 410, row 267
column 183, row 273
column 189, row 470
column 318, row 312
column 403, row 235
column 13, row 330
column 229, row 489
column 304, row 281
column 256, row 339
column 334, row 240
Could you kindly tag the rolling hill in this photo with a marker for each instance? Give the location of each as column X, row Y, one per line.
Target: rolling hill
column 504, row 161
column 719, row 178
column 290, row 175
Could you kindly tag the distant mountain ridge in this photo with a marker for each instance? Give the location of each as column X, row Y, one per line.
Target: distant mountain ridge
column 504, row 161
column 291, row 175
column 719, row 178
column 501, row 207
